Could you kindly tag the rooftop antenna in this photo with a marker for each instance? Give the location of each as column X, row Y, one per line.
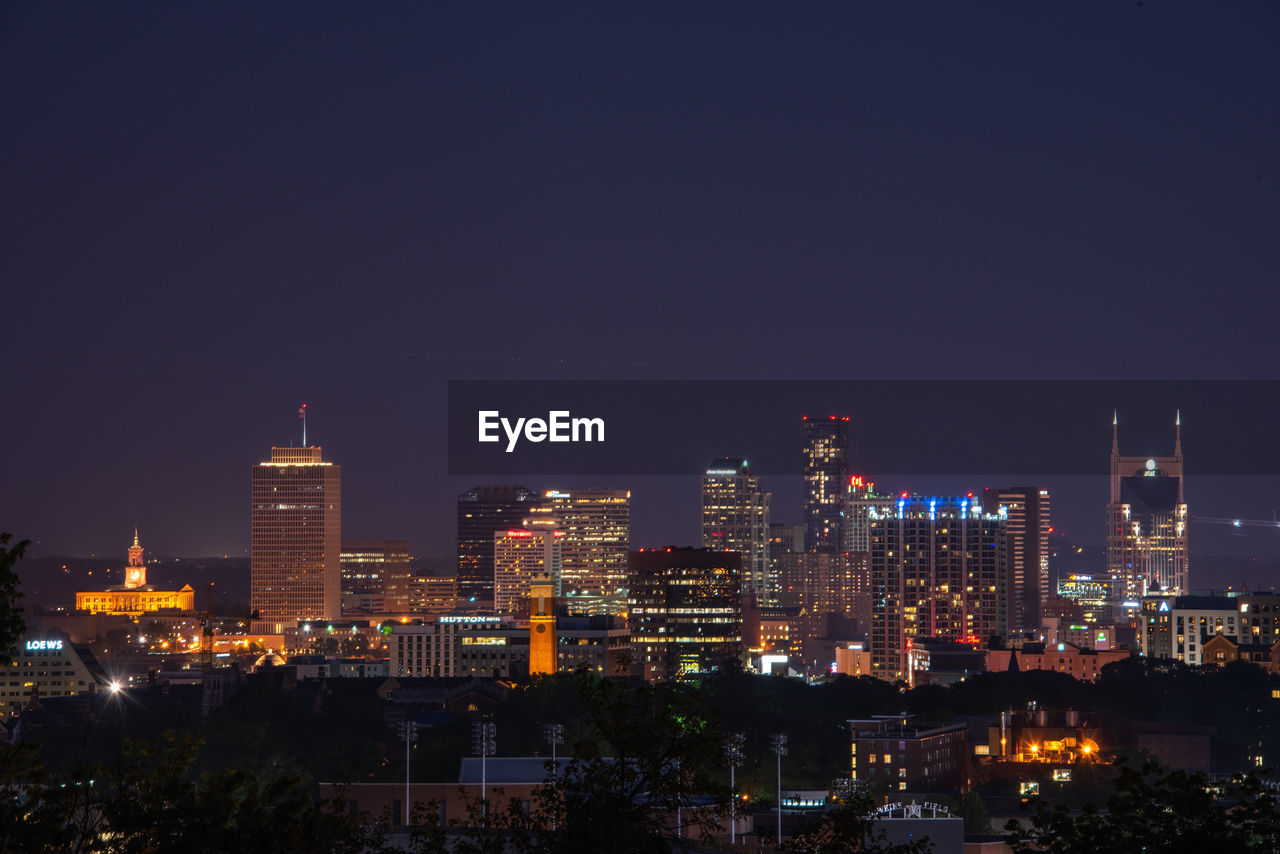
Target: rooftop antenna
column 1115, row 431
column 302, row 413
column 1177, row 434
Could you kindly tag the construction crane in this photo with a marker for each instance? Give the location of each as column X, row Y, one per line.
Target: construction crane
column 1239, row 523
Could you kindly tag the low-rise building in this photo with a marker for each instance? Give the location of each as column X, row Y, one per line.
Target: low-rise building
column 487, row 646
column 1084, row 664
column 896, row 753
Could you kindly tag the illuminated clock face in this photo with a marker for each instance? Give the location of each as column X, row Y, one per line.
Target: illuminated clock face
column 541, row 628
column 1151, row 465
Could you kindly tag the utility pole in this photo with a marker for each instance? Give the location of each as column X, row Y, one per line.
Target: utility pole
column 733, row 750
column 409, row 732
column 779, row 742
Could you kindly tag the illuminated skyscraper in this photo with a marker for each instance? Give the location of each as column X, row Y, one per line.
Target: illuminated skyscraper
column 521, row 554
column 1147, row 522
column 482, row 512
column 735, row 518
column 1028, row 528
column 937, row 571
column 295, row 539
column 685, row 611
column 597, row 535
column 826, row 474
column 860, row 498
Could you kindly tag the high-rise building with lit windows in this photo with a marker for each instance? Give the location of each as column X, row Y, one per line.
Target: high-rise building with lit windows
column 826, row 473
column 937, row 571
column 1147, row 522
column 1028, row 526
column 735, row 518
column 860, row 498
column 521, row 554
column 375, row 576
column 685, row 611
column 295, row 539
column 482, row 512
column 597, row 535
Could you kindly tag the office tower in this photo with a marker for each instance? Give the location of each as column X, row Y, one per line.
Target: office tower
column 784, row 539
column 295, row 539
column 597, row 535
column 826, row 472
column 1147, row 522
column 482, row 512
column 937, row 571
column 542, row 625
column 735, row 518
column 522, row 554
column 826, row 584
column 375, row 575
column 685, row 611
column 1028, row 527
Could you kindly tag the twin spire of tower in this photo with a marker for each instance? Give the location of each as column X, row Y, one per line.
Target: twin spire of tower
column 1115, row 433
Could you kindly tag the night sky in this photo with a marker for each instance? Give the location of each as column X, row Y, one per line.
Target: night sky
column 213, row 212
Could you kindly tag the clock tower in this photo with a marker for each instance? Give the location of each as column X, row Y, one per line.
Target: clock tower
column 135, row 574
column 542, row 625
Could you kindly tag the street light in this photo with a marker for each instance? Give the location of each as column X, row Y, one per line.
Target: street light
column 484, row 741
column 554, row 734
column 409, row 732
column 779, row 743
column 733, row 750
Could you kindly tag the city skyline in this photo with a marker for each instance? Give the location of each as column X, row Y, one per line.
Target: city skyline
column 902, row 209
column 865, row 410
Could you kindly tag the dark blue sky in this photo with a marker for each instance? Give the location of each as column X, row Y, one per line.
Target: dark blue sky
column 215, row 211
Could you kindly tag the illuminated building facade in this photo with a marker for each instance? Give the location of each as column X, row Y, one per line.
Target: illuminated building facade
column 827, row 584
column 432, row 594
column 482, row 512
column 47, row 666
column 685, row 611
column 1147, row 522
column 937, row 571
column 600, row 643
column 135, row 596
column 295, row 539
column 784, row 539
column 597, row 535
column 375, row 576
column 542, row 626
column 1177, row 627
column 826, row 474
column 735, row 518
column 484, row 646
column 1028, row 527
column 520, row 555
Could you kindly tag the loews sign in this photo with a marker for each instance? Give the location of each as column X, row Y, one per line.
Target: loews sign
column 33, row 645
